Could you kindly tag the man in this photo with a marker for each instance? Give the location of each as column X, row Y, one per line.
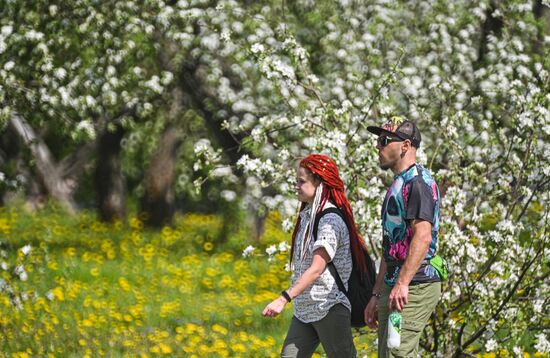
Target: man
column 410, row 221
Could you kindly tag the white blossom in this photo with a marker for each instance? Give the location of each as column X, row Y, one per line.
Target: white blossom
column 283, row 246
column 154, row 84
column 271, row 250
column 543, row 345
column 8, row 66
column 228, row 195
column 257, row 48
column 491, row 345
column 86, row 127
column 6, row 30
column 248, row 250
column 26, row 249
column 21, row 272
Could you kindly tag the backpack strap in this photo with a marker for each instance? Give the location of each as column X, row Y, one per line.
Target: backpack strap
column 331, row 267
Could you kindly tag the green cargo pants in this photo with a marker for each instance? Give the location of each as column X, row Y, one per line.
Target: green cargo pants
column 421, row 303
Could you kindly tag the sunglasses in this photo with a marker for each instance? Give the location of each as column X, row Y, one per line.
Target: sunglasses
column 385, row 140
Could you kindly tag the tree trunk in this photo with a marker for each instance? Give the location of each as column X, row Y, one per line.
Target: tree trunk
column 542, row 14
column 46, row 168
column 109, row 181
column 158, row 201
column 491, row 25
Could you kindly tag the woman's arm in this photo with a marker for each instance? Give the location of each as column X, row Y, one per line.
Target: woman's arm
column 319, row 264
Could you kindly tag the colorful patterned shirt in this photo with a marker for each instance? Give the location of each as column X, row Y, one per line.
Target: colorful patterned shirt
column 413, row 195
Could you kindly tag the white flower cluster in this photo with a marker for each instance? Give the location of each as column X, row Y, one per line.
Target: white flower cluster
column 543, row 345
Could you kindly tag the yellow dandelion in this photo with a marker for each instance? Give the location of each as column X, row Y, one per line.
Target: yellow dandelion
column 124, row 284
column 188, row 349
column 136, row 224
column 5, row 226
column 212, row 272
column 208, row 246
column 166, row 231
column 87, row 323
column 238, row 348
column 219, row 329
column 165, row 349
column 128, row 318
column 111, row 254
column 21, row 355
column 219, row 345
column 58, row 294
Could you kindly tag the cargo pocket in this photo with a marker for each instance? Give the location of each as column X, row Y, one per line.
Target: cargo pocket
column 413, row 326
column 410, row 336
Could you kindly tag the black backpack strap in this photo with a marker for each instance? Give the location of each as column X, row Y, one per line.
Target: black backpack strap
column 337, row 278
column 331, row 267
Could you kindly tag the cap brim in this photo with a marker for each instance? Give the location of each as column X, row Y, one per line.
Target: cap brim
column 379, row 130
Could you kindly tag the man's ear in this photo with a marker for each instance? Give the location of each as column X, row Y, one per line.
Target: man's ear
column 405, row 146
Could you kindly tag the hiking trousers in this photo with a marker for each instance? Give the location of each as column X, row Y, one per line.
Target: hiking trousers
column 421, row 303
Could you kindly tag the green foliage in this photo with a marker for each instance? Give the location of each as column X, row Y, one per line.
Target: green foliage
column 118, row 290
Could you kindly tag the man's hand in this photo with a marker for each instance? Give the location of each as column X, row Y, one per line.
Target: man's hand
column 371, row 313
column 399, row 297
column 275, row 307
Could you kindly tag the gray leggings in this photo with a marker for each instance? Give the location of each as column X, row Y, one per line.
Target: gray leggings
column 333, row 332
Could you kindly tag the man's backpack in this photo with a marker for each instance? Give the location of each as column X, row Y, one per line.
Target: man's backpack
column 359, row 288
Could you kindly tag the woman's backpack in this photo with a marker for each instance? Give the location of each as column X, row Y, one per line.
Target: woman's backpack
column 359, row 286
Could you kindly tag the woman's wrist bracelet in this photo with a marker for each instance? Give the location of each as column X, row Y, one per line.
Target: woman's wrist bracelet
column 377, row 295
column 286, row 296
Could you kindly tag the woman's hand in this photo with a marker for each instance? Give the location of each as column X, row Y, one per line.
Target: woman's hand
column 318, row 265
column 275, row 307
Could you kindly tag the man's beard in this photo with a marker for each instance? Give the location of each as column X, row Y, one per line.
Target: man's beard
column 384, row 166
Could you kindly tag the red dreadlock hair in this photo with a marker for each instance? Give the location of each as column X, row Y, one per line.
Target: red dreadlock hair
column 333, row 191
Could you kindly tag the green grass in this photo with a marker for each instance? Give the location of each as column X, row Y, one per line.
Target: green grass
column 122, row 290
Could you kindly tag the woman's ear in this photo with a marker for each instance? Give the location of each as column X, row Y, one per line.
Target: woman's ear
column 317, row 180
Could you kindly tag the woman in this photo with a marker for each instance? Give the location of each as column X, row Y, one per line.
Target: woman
column 321, row 311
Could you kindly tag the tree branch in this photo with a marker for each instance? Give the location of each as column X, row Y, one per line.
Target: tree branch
column 526, row 266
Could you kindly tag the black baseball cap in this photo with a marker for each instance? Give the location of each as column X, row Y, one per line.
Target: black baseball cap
column 400, row 128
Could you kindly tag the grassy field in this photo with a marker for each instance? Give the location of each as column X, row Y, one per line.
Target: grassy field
column 74, row 287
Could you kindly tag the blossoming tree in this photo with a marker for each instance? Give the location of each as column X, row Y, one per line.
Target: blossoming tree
column 272, row 81
column 474, row 76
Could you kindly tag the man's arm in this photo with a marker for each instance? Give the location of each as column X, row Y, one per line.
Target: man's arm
column 420, row 243
column 371, row 311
